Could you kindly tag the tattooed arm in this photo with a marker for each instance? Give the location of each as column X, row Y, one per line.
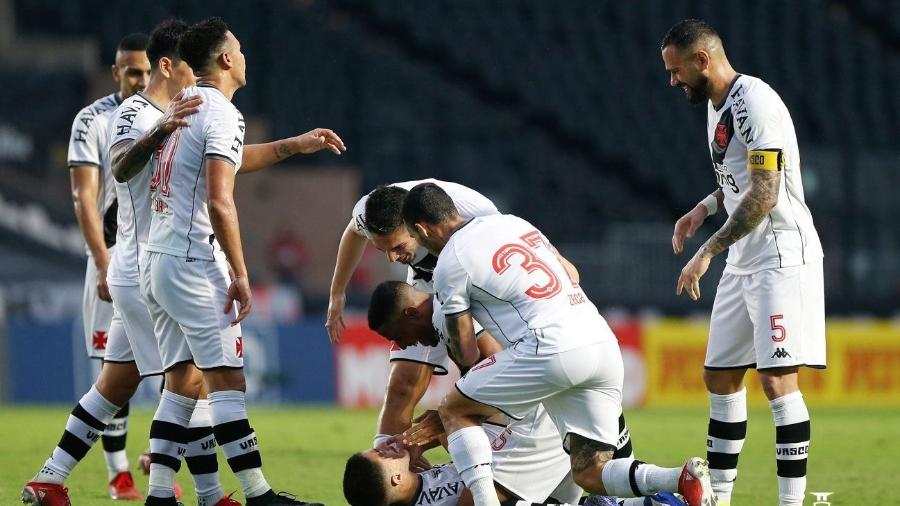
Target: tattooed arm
column 750, row 212
column 462, row 340
column 260, row 156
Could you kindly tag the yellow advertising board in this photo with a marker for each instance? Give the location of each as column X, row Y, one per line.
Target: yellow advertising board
column 863, row 365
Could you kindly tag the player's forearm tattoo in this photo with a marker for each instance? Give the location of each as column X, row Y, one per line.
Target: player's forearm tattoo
column 750, row 212
column 130, row 162
column 454, row 342
column 282, row 150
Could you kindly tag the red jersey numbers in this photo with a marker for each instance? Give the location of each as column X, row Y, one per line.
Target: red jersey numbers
column 165, row 157
column 525, row 257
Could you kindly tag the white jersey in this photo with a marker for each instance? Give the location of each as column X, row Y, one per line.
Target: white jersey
column 509, row 276
column 753, row 130
column 468, row 202
column 136, row 116
column 439, row 486
column 88, row 146
column 180, row 224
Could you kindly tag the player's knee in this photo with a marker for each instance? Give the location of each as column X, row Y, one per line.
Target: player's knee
column 117, row 383
column 779, row 382
column 723, row 382
column 225, row 378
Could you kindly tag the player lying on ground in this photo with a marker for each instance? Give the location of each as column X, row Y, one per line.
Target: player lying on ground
column 560, row 352
column 529, row 463
column 372, row 479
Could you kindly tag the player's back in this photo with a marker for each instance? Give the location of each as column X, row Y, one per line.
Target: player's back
column 180, row 223
column 517, row 286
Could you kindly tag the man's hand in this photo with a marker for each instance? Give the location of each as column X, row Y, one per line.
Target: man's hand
column 690, row 275
column 179, row 108
column 425, row 428
column 334, row 322
column 317, row 140
column 417, row 461
column 102, row 287
column 239, row 292
column 687, row 226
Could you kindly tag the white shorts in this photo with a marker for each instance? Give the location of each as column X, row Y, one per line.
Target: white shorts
column 581, row 389
column 771, row 318
column 529, row 460
column 97, row 313
column 131, row 337
column 186, row 298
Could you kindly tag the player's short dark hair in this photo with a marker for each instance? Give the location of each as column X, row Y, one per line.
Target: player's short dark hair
column 133, row 42
column 429, row 203
column 364, row 482
column 164, row 40
column 202, row 43
column 688, row 32
column 383, row 303
column 383, row 209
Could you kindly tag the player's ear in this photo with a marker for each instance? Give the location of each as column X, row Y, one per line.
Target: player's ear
column 226, row 60
column 702, row 59
column 411, row 311
column 396, row 479
column 115, row 72
column 421, row 230
column 165, row 66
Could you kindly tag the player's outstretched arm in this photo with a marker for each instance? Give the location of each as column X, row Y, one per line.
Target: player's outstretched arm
column 260, row 156
column 687, row 225
column 224, row 219
column 350, row 251
column 407, row 383
column 463, row 343
column 85, row 181
column 749, row 213
column 128, row 158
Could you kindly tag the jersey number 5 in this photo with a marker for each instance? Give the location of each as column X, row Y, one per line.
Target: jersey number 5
column 530, row 262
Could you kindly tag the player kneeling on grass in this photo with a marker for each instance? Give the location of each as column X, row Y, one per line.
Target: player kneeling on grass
column 529, row 465
column 503, row 272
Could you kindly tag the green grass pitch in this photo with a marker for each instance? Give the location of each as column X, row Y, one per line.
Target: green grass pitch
column 854, row 452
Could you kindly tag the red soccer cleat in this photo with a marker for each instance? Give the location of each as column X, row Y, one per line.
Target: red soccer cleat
column 227, row 501
column 122, row 488
column 45, row 494
column 694, row 483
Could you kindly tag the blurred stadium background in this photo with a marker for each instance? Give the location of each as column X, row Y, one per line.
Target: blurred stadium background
column 559, row 111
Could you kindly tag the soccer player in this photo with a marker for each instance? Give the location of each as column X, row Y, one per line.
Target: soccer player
column 194, row 271
column 371, row 479
column 769, row 310
column 94, row 199
column 376, row 218
column 501, row 271
column 139, row 128
column 528, row 461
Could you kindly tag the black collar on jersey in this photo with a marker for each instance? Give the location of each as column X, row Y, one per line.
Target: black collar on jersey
column 730, row 87
column 418, row 491
column 145, row 97
column 205, row 84
column 461, row 225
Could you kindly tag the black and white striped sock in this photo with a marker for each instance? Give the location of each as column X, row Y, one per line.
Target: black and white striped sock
column 725, row 439
column 623, row 445
column 114, row 441
column 83, row 428
column 238, row 441
column 168, row 438
column 201, row 456
column 792, row 433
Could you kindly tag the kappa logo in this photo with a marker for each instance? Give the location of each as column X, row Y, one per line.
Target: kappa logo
column 781, row 353
column 98, row 341
column 821, row 498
